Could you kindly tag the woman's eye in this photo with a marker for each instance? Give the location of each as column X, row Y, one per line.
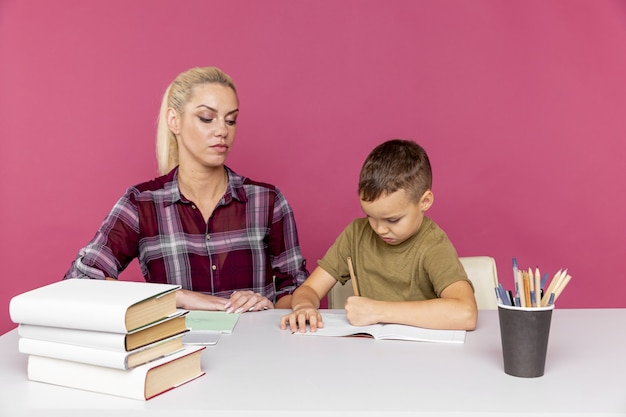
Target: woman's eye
column 231, row 122
column 205, row 119
column 393, row 220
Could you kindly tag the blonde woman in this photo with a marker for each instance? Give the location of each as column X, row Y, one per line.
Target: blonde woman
column 229, row 241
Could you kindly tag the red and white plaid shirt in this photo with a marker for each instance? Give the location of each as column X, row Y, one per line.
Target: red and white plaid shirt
column 249, row 243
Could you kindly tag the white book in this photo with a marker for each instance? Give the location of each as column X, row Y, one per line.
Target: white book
column 118, row 359
column 141, row 383
column 92, row 304
column 143, row 336
column 337, row 324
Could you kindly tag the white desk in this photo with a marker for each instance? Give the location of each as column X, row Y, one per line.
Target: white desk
column 260, row 370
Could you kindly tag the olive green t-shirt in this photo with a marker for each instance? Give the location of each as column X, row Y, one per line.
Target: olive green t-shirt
column 419, row 268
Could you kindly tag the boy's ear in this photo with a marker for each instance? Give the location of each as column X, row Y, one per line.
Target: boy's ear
column 427, row 200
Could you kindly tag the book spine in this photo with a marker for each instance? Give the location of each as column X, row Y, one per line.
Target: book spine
column 52, row 312
column 87, row 338
column 131, row 383
column 86, row 377
column 95, row 305
column 100, row 357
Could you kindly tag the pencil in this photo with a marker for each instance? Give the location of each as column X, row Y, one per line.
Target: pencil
column 355, row 286
column 553, row 284
column 521, row 289
column 502, row 295
column 526, row 281
column 516, row 284
column 537, row 287
column 558, row 290
column 544, row 278
column 531, row 280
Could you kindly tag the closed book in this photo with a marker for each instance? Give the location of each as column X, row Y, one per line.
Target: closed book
column 92, row 304
column 141, row 383
column 154, row 332
column 119, row 359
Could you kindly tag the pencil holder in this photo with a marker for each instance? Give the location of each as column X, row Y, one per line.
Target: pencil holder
column 524, row 333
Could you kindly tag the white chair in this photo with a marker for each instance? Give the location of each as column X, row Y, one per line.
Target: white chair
column 481, row 270
column 338, row 295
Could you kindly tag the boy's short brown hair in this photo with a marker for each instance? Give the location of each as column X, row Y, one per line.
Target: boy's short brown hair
column 394, row 165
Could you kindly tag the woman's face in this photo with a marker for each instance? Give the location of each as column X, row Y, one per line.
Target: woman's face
column 206, row 130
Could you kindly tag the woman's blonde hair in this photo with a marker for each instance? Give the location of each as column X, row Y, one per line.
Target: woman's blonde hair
column 176, row 97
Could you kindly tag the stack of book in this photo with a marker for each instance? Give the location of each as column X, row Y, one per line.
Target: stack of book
column 115, row 337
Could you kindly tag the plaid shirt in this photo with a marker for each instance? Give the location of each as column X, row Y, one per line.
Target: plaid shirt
column 249, row 243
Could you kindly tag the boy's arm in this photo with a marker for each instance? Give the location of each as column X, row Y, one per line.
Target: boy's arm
column 305, row 302
column 456, row 309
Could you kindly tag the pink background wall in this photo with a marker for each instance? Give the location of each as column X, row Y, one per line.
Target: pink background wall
column 520, row 104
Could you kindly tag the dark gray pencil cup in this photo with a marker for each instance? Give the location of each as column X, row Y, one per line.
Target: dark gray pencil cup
column 524, row 333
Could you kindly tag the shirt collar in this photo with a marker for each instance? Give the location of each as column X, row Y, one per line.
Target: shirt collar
column 235, row 188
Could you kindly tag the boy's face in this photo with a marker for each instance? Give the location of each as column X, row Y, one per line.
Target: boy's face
column 395, row 217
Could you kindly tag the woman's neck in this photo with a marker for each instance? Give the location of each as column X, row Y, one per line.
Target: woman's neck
column 203, row 186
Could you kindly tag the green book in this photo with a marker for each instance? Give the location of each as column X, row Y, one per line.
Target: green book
column 216, row 321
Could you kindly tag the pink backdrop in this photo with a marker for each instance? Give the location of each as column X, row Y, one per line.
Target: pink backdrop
column 520, row 104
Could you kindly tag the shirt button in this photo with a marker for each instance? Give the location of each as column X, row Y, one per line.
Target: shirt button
column 193, row 206
column 213, row 267
column 208, row 237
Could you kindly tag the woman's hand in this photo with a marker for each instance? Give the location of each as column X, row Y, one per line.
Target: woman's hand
column 242, row 301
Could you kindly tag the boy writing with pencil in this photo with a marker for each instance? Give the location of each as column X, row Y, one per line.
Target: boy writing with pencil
column 405, row 269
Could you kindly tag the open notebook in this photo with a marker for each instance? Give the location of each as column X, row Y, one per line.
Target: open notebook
column 336, row 324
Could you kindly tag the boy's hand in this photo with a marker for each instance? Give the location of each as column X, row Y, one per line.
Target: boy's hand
column 360, row 311
column 299, row 318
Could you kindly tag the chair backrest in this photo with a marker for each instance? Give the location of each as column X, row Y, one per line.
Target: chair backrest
column 338, row 295
column 481, row 270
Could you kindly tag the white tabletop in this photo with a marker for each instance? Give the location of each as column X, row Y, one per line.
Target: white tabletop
column 259, row 370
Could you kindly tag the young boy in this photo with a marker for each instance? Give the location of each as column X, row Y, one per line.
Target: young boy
column 406, row 268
